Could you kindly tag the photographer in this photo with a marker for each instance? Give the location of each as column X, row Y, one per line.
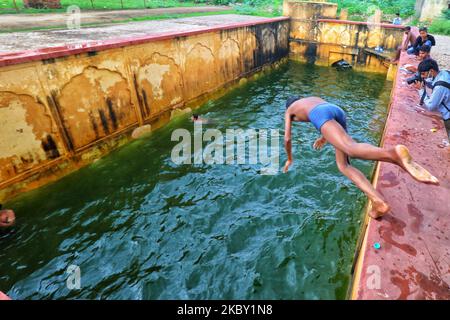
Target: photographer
column 423, row 38
column 439, row 100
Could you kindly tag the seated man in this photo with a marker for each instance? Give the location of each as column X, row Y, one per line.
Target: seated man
column 409, row 41
column 423, row 38
column 7, row 218
column 330, row 120
column 424, row 53
column 397, row 20
column 439, row 100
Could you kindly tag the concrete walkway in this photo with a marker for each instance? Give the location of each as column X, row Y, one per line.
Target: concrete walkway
column 441, row 52
column 406, row 254
column 20, row 41
column 16, row 22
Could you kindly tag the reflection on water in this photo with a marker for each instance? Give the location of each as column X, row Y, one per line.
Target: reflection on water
column 141, row 227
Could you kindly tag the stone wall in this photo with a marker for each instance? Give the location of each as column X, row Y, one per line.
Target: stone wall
column 61, row 113
column 317, row 36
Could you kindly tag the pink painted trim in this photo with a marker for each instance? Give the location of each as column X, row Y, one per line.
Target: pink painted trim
column 13, row 58
column 4, row 296
column 383, row 25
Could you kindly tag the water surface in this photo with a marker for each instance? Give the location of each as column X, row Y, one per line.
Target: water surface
column 141, row 227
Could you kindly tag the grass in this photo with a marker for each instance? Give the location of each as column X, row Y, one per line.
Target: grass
column 264, row 8
column 180, row 15
column 359, row 10
column 267, row 8
column 440, row 26
column 7, row 6
column 388, row 7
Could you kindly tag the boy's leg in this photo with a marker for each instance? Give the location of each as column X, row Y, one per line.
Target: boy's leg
column 338, row 137
column 359, row 179
column 399, row 155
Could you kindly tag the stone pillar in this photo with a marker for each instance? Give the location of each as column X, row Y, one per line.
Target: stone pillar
column 344, row 14
column 377, row 16
column 40, row 4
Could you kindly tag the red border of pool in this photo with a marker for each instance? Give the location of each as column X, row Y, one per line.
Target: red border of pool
column 383, row 25
column 412, row 259
column 13, row 58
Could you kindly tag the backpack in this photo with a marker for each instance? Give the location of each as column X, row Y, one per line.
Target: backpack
column 443, row 84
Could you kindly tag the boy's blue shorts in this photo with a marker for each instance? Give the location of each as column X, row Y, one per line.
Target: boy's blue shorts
column 325, row 112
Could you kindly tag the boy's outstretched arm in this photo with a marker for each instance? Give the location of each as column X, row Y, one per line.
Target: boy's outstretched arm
column 287, row 140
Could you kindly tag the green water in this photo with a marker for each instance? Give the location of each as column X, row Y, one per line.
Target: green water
column 141, row 227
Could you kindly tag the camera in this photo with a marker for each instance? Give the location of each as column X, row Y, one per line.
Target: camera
column 414, row 78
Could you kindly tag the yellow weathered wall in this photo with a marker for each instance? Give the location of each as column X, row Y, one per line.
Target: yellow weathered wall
column 60, row 114
column 304, row 17
column 324, row 42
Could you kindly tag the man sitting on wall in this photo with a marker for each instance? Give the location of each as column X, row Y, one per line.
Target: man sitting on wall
column 410, row 40
column 397, row 20
column 424, row 38
column 439, row 100
column 7, row 218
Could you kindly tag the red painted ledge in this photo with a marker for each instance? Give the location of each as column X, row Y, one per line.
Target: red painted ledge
column 4, row 296
column 13, row 58
column 413, row 261
column 363, row 23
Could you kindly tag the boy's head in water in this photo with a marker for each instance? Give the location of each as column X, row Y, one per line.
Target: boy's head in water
column 7, row 218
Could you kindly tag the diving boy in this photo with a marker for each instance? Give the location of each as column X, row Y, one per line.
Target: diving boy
column 330, row 121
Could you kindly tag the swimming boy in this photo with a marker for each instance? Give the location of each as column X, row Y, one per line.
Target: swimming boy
column 7, row 218
column 196, row 119
column 330, row 121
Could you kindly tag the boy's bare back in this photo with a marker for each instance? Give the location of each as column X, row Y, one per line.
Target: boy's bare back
column 301, row 108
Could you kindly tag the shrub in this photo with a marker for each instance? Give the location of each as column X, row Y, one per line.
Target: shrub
column 440, row 26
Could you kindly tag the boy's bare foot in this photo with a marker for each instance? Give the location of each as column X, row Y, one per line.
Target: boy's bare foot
column 414, row 169
column 379, row 209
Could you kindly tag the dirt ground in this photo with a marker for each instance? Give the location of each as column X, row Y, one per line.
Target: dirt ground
column 19, row 41
column 16, row 22
column 441, row 52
